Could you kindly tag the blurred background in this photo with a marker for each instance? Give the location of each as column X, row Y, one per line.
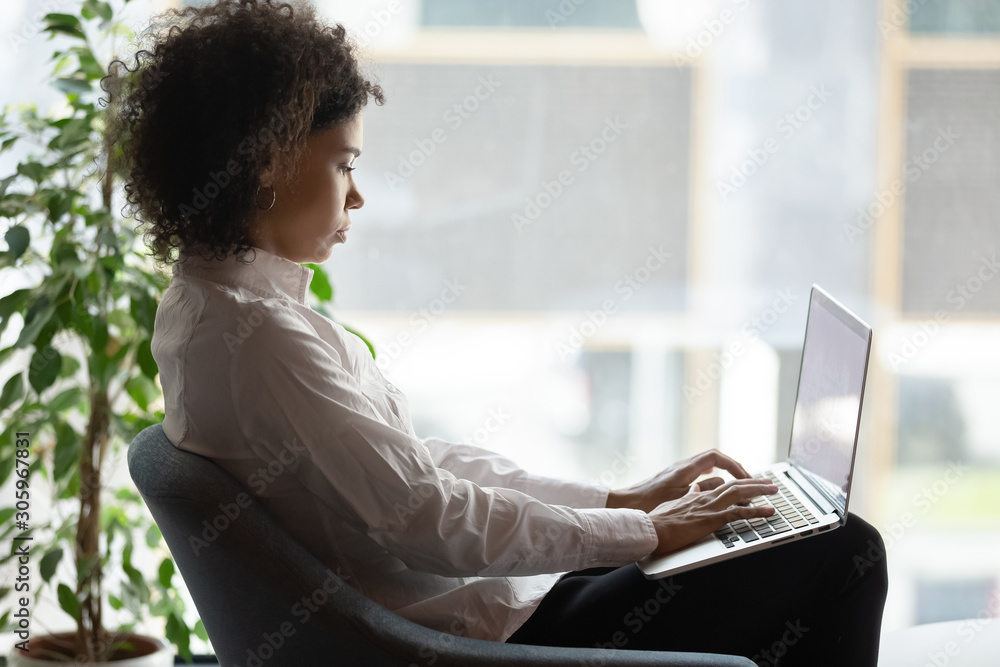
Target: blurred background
column 591, row 227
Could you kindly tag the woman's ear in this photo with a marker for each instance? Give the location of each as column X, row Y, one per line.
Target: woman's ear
column 277, row 157
column 267, row 177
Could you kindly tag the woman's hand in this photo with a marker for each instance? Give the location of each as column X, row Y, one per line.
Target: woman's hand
column 676, row 481
column 684, row 520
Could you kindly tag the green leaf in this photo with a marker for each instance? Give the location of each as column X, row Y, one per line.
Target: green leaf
column 320, row 284
column 5, row 183
column 49, row 563
column 44, row 368
column 13, row 303
column 96, row 8
column 67, row 450
column 142, row 390
column 70, row 365
column 68, row 601
column 99, row 336
column 64, row 252
column 131, row 600
column 143, row 310
column 17, row 238
column 74, row 131
column 61, row 64
column 38, row 319
column 138, row 584
column 104, row 10
column 199, row 629
column 144, row 355
column 115, row 603
column 65, row 400
column 13, row 391
column 127, row 494
column 153, row 536
column 177, row 632
column 33, row 170
column 6, row 352
column 88, row 63
column 73, row 85
column 65, row 24
column 57, row 202
column 165, row 572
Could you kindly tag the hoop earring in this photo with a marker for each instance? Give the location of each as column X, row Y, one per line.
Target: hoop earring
column 273, row 197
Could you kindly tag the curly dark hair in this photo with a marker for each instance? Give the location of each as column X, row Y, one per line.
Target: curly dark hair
column 223, row 91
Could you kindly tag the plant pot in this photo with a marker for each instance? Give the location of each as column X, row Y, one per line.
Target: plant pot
column 147, row 652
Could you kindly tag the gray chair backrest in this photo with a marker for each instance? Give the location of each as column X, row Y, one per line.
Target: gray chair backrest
column 248, row 579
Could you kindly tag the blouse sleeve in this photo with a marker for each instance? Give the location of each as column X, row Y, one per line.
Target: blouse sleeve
column 292, row 394
column 488, row 468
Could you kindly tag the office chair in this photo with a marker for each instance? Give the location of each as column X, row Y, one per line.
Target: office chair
column 249, row 579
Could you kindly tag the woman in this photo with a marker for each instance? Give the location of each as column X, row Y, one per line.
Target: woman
column 240, row 131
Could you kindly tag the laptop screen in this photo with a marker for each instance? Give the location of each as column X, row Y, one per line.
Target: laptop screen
column 828, row 403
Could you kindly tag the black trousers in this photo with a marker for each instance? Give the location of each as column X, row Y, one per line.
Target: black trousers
column 816, row 601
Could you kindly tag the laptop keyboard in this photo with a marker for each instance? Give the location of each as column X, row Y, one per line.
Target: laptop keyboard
column 789, row 513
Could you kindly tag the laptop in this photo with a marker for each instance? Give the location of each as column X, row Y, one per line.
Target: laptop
column 814, row 483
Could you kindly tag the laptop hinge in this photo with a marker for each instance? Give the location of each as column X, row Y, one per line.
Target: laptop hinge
column 810, row 490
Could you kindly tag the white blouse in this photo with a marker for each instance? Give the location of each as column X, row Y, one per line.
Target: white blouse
column 451, row 536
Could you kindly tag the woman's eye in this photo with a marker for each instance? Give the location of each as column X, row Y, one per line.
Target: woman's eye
column 348, row 170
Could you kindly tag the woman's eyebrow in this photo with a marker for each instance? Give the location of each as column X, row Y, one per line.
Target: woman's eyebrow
column 356, row 152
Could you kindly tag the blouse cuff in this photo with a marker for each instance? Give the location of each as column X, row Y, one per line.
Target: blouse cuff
column 617, row 536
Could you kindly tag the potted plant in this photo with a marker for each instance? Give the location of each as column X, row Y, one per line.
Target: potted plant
column 87, row 384
column 90, row 382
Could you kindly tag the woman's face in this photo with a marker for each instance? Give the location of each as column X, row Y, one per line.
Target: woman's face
column 311, row 215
